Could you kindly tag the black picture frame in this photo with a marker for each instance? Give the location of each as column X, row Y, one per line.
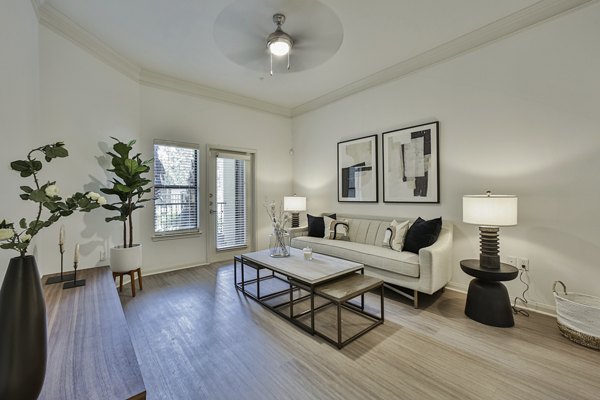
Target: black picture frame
column 410, row 163
column 358, row 178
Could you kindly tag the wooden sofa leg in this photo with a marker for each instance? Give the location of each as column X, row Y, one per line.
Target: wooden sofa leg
column 416, row 299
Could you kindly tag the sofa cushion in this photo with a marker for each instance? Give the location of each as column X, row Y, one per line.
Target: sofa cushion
column 367, row 231
column 316, row 225
column 403, row 263
column 422, row 234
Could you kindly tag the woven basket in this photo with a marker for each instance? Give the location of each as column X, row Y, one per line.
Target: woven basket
column 578, row 317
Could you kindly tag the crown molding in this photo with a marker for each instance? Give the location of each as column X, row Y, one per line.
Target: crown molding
column 59, row 23
column 513, row 23
column 162, row 81
column 537, row 13
column 36, row 7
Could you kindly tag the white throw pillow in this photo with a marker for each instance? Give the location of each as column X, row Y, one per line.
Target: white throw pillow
column 336, row 229
column 327, row 221
column 395, row 234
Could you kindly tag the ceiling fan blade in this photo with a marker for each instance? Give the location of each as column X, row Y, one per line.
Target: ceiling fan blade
column 248, row 55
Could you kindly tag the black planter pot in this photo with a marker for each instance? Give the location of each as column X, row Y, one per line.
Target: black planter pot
column 23, row 336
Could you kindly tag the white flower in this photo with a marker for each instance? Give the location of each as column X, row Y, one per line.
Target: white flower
column 6, row 233
column 101, row 200
column 25, row 238
column 93, row 196
column 51, row 191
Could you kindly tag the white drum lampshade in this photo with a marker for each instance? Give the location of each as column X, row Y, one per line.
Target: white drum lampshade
column 489, row 212
column 294, row 204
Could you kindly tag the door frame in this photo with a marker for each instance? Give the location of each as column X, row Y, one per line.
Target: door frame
column 212, row 254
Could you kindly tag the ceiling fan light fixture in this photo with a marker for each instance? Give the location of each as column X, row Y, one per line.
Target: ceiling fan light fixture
column 280, row 46
column 279, row 43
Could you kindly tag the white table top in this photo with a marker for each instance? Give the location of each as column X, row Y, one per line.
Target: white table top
column 321, row 268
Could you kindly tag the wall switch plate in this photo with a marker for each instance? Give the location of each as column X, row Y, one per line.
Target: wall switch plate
column 523, row 264
column 102, row 255
column 512, row 260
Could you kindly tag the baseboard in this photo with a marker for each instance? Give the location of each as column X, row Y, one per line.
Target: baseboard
column 532, row 306
column 127, row 279
column 175, row 268
column 457, row 287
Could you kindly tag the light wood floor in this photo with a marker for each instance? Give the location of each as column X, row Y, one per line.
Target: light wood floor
column 196, row 337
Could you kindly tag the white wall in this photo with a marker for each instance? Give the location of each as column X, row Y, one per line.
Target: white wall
column 83, row 103
column 179, row 117
column 518, row 117
column 19, row 103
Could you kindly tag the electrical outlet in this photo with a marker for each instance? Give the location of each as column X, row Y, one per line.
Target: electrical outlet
column 523, row 264
column 511, row 260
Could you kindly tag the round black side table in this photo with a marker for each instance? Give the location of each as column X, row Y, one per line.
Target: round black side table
column 487, row 298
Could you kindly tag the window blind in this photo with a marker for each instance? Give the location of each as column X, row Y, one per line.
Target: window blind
column 231, row 218
column 175, row 189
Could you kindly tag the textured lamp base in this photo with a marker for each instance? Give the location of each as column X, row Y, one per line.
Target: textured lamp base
column 489, row 247
column 295, row 220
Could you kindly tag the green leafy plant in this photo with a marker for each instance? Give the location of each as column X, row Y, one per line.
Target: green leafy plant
column 46, row 197
column 130, row 186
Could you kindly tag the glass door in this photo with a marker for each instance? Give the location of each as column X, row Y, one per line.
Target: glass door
column 230, row 203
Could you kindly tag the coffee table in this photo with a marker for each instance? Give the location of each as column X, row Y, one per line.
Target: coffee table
column 297, row 275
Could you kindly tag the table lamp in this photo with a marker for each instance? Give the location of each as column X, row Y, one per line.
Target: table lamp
column 294, row 204
column 490, row 212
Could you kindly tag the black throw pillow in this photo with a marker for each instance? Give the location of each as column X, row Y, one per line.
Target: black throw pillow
column 422, row 234
column 316, row 225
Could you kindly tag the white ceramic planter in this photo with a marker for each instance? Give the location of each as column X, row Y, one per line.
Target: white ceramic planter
column 125, row 259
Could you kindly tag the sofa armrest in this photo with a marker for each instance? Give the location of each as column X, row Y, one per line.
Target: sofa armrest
column 296, row 232
column 436, row 262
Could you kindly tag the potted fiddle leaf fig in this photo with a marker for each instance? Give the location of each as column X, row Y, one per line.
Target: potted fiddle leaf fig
column 130, row 187
column 23, row 338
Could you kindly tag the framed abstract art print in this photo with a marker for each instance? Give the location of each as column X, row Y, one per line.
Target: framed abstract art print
column 411, row 165
column 357, row 170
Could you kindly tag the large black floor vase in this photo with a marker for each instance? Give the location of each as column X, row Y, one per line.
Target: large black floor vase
column 23, row 332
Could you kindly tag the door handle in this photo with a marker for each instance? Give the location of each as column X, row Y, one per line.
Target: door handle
column 211, row 211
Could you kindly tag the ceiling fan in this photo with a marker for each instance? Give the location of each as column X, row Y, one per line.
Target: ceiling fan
column 279, row 43
column 243, row 31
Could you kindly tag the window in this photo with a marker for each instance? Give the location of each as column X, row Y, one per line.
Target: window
column 175, row 188
column 232, row 218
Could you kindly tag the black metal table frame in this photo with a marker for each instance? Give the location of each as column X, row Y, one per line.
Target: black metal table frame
column 295, row 284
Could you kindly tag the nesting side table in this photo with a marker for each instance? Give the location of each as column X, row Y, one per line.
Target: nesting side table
column 487, row 298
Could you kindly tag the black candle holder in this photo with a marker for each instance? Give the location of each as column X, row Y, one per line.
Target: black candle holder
column 62, row 277
column 74, row 283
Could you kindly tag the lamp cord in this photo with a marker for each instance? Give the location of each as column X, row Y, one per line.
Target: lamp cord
column 522, row 299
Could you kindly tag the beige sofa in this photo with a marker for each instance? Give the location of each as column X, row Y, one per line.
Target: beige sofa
column 426, row 272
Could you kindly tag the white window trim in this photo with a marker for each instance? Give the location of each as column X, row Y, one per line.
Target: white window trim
column 179, row 234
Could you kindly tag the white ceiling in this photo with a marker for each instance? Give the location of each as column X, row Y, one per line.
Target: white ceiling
column 175, row 38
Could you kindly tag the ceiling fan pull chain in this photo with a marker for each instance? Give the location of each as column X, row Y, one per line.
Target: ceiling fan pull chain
column 271, row 58
column 288, row 54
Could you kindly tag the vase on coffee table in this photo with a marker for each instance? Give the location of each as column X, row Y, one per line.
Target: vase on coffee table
column 279, row 243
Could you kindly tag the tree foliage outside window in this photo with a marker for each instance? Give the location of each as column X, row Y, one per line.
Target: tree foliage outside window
column 175, row 189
